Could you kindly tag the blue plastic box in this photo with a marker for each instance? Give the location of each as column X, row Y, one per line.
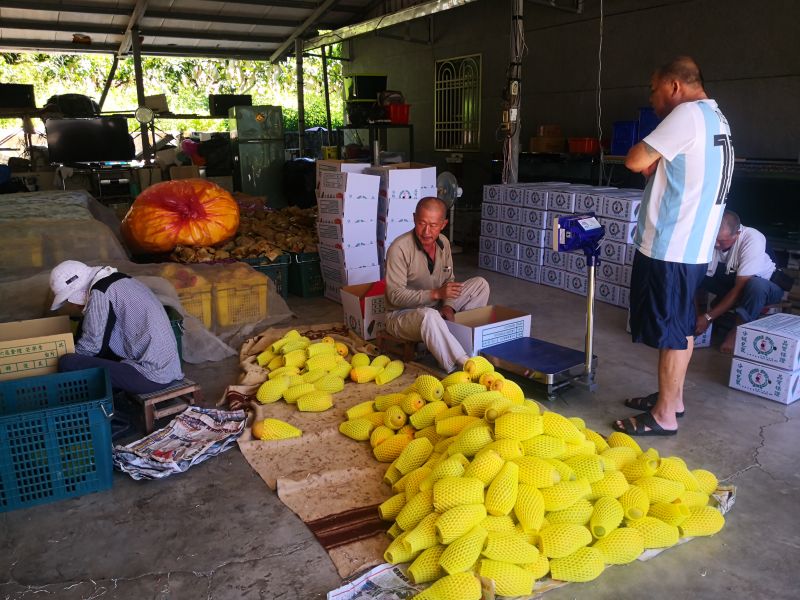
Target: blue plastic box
column 623, row 137
column 55, row 437
column 647, row 122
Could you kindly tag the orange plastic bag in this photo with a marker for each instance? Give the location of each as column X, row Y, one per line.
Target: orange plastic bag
column 189, row 212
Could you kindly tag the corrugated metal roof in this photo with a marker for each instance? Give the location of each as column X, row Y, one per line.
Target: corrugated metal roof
column 252, row 29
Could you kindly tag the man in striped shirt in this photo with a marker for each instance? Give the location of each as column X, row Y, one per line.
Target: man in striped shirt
column 688, row 163
column 125, row 328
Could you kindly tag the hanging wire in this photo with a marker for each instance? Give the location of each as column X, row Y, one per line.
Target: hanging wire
column 599, row 98
column 517, row 50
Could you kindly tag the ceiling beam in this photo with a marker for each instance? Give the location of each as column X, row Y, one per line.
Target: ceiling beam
column 300, row 30
column 49, row 5
column 214, row 18
column 303, row 5
column 223, row 36
column 29, row 25
column 401, row 16
column 133, row 26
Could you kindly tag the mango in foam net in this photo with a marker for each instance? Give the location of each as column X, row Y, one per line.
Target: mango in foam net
column 536, row 472
column 360, row 409
column 411, row 403
column 496, row 409
column 390, row 372
column 702, row 520
column 518, row 426
column 313, row 350
column 297, row 358
column 510, row 546
column 423, row 536
column 456, row 377
column 562, row 539
column 363, row 374
column 674, row 469
column 529, row 507
column 413, row 455
column 398, row 552
column 501, row 523
column 502, row 493
column 328, row 340
column 341, row 349
column 477, row 366
column 475, row 404
column 560, row 427
column 659, row 489
column 544, row 446
column 635, row 503
column 384, row 401
column 643, row 466
column 394, row 417
column 426, row 566
column 462, row 553
column 272, row 390
column 291, row 394
column 470, row 440
column 413, row 480
column 390, row 508
column 429, row 387
column 457, row 521
column 564, row 494
column 656, row 533
column 579, row 513
column 454, row 425
column 312, row 376
column 375, row 417
column 452, row 466
column 416, row 509
column 360, row 359
column 621, row 546
column 283, row 372
column 264, row 357
column 380, row 361
column 485, row 466
column 585, row 564
column 564, row 470
column 341, row 369
column 488, row 378
column 458, row 586
column 669, row 512
column 390, row 449
column 618, row 438
column 329, row 383
column 274, row 429
column 357, row 429
column 589, row 467
column 607, row 515
column 454, row 491
column 509, row 389
column 509, row 580
column 314, row 402
column 621, row 455
column 598, row 440
column 454, row 394
column 508, row 449
column 426, row 415
column 380, row 434
column 325, row 362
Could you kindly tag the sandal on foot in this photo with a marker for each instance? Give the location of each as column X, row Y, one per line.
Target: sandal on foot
column 646, row 403
column 645, row 425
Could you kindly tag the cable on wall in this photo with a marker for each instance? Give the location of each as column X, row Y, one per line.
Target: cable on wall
column 599, row 96
column 512, row 92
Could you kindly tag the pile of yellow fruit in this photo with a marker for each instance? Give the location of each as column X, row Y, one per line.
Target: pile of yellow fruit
column 486, row 484
column 307, row 374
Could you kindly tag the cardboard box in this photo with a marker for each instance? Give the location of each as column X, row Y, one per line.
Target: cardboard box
column 591, row 200
column 368, row 320
column 533, row 217
column 773, row 340
column 353, row 207
column 548, row 238
column 537, row 198
column 619, row 231
column 578, row 264
column 531, row 255
column 184, row 172
column 33, row 347
column 507, row 266
column 390, row 230
column 531, row 236
column 487, row 261
column 552, row 277
column 613, row 251
column 400, row 179
column 515, row 194
column 547, row 144
column 488, row 326
column 509, row 232
column 528, row 272
column 561, row 201
column 355, row 186
column 621, row 207
column 490, row 228
column 610, row 272
column 349, row 255
column 333, row 291
column 510, row 214
column 488, row 245
column 494, row 193
column 557, row 260
column 508, row 249
column 338, row 166
column 490, row 211
column 704, row 340
column 624, row 297
column 577, row 284
column 606, row 292
column 625, row 280
column 148, row 176
column 765, row 381
column 630, row 252
column 337, row 231
column 336, row 275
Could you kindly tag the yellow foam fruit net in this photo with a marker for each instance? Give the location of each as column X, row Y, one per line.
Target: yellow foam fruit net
column 511, row 547
column 562, row 539
column 426, row 416
column 560, row 427
column 518, row 426
column 389, row 509
column 360, row 409
column 502, row 523
column 477, row 366
column 426, row 566
column 643, row 466
column 357, row 429
column 674, row 469
column 416, row 509
column 360, row 359
column 606, row 516
column 453, row 425
column 707, row 480
column 529, row 507
column 471, row 440
column 429, row 387
column 564, row 494
column 455, row 394
column 412, row 403
column 423, row 536
column 508, row 449
column 655, row 532
column 459, row 586
column 394, row 417
column 453, row 491
column 475, row 404
column 659, row 489
column 315, row 402
column 613, row 484
column 457, row 521
column 413, row 455
column 485, row 466
column 272, row 390
column 293, row 393
column 274, row 429
column 363, row 374
column 585, row 564
column 330, row 383
column 502, row 493
column 390, row 372
column 509, row 580
column 390, row 449
column 587, row 466
column 621, row 546
column 544, row 446
column 702, row 520
column 398, row 551
column 462, row 553
column 620, row 455
column 670, row 513
column 579, row 513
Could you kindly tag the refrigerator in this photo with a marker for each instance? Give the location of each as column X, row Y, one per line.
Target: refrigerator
column 258, row 151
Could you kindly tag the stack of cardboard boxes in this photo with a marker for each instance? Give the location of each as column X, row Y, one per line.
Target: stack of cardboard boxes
column 347, row 203
column 766, row 359
column 402, row 185
column 517, row 235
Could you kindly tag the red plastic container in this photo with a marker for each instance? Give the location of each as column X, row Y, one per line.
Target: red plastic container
column 583, row 146
column 398, row 113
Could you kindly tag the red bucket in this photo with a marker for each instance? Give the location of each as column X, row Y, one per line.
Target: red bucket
column 398, row 113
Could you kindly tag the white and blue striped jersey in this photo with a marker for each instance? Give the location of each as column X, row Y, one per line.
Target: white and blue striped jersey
column 684, row 199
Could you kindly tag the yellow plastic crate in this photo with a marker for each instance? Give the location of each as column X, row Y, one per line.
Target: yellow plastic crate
column 198, row 304
column 241, row 303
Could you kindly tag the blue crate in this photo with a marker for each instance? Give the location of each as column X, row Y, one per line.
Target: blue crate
column 648, row 121
column 623, row 137
column 277, row 270
column 55, row 437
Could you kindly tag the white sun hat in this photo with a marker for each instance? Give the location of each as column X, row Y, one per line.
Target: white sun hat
column 70, row 281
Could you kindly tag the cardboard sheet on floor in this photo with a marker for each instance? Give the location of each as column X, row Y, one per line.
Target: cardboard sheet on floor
column 331, row 482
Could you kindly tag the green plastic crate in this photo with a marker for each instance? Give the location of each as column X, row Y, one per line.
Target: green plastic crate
column 305, row 275
column 277, row 270
column 176, row 321
column 55, row 437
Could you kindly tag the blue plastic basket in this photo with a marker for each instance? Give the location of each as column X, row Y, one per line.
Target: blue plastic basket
column 277, row 270
column 55, row 437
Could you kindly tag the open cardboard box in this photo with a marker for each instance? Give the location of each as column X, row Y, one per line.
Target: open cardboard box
column 31, row 348
column 366, row 322
column 488, row 326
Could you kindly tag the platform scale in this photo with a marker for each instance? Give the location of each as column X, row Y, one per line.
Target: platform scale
column 549, row 364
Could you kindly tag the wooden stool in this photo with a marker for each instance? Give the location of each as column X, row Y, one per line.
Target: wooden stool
column 169, row 401
column 406, row 350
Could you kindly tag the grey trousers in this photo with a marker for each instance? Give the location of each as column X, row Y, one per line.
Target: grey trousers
column 427, row 325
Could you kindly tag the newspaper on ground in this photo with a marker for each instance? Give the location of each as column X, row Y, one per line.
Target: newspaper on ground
column 390, row 582
column 193, row 436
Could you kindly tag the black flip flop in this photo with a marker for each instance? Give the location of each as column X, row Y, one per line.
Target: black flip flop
column 646, row 403
column 643, row 421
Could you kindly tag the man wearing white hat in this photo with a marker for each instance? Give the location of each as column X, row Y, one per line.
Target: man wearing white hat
column 125, row 328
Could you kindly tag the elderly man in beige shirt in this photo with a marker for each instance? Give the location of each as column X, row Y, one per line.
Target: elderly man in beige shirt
column 421, row 290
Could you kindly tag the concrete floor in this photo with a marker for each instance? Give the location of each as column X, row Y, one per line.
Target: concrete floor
column 218, row 532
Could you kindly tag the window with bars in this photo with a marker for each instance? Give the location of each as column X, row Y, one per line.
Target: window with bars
column 457, row 115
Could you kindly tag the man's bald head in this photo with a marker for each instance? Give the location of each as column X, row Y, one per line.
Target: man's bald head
column 683, row 69
column 431, row 203
column 730, row 222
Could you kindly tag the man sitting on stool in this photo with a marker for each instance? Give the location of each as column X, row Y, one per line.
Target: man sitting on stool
column 739, row 275
column 421, row 291
column 125, row 328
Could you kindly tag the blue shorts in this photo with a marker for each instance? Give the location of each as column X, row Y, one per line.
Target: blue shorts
column 662, row 301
